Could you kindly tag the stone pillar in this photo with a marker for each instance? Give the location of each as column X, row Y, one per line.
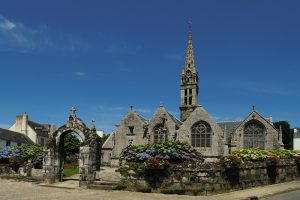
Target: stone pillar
column 51, row 167
column 48, row 166
column 87, row 166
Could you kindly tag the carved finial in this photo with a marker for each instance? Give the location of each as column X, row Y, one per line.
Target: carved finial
column 161, row 104
column 73, row 111
column 253, row 107
column 93, row 126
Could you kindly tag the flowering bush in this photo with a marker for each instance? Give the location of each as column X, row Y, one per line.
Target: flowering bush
column 256, row 154
column 7, row 153
column 155, row 163
column 152, row 159
column 232, row 161
column 173, row 151
column 19, row 155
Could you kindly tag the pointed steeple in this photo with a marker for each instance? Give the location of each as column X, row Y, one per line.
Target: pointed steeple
column 189, row 82
column 189, row 59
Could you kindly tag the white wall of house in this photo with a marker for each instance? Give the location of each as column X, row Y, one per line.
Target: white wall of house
column 4, row 142
column 21, row 126
column 296, row 143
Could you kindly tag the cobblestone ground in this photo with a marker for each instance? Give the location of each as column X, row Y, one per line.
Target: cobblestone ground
column 13, row 190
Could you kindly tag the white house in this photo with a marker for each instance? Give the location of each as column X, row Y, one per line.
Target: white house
column 296, row 139
column 38, row 133
column 11, row 138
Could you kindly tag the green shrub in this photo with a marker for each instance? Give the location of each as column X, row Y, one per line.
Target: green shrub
column 145, row 189
column 121, row 186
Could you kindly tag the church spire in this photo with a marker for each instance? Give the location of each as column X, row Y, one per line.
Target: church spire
column 189, row 59
column 189, row 81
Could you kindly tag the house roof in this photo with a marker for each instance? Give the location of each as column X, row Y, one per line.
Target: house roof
column 40, row 129
column 108, row 144
column 228, row 127
column 6, row 134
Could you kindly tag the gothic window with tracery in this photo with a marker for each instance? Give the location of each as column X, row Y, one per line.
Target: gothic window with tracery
column 201, row 134
column 254, row 135
column 160, row 133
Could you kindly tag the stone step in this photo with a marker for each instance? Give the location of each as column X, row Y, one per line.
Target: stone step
column 105, row 186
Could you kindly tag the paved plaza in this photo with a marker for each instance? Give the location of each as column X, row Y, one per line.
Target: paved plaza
column 14, row 190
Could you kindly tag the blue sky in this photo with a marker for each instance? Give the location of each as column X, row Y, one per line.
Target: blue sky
column 104, row 56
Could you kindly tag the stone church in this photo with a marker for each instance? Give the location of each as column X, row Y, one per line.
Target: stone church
column 196, row 126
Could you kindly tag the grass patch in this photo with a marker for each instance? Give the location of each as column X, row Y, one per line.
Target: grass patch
column 70, row 171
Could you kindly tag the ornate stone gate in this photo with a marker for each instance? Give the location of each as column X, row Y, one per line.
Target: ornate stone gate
column 89, row 152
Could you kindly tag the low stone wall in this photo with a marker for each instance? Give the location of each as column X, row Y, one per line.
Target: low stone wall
column 213, row 177
column 6, row 171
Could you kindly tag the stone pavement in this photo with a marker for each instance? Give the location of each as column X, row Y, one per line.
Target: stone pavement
column 14, row 190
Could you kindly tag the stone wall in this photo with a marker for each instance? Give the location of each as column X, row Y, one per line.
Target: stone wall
column 250, row 174
column 213, row 177
column 6, row 171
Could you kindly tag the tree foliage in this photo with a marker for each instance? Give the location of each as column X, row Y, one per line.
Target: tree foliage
column 71, row 145
column 287, row 133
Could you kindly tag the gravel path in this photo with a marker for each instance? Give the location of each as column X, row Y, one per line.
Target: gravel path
column 14, row 190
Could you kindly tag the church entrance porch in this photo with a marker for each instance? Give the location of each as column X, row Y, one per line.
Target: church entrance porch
column 88, row 155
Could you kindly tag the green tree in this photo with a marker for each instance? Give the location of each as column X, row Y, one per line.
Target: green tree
column 71, row 146
column 287, row 133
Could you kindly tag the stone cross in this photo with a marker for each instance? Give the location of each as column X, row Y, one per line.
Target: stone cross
column 73, row 111
column 93, row 126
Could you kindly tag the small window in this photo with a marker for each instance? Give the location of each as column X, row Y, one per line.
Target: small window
column 185, row 92
column 190, row 100
column 19, row 144
column 131, row 128
column 8, row 143
column 191, row 91
column 42, row 141
column 185, row 100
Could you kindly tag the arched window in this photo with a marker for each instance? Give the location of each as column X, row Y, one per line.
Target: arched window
column 160, row 133
column 254, row 135
column 201, row 134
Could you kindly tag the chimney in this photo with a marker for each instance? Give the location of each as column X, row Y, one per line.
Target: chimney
column 24, row 123
column 271, row 119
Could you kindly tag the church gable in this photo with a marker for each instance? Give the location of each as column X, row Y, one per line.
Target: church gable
column 130, row 131
column 162, row 126
column 255, row 132
column 202, row 132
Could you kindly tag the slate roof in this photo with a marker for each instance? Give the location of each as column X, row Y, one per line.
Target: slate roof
column 12, row 136
column 41, row 129
column 228, row 127
column 177, row 122
column 108, row 144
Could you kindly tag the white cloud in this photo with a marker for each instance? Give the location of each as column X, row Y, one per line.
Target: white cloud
column 15, row 36
column 5, row 24
column 78, row 73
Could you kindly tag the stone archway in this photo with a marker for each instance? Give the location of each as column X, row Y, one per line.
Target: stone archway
column 89, row 152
